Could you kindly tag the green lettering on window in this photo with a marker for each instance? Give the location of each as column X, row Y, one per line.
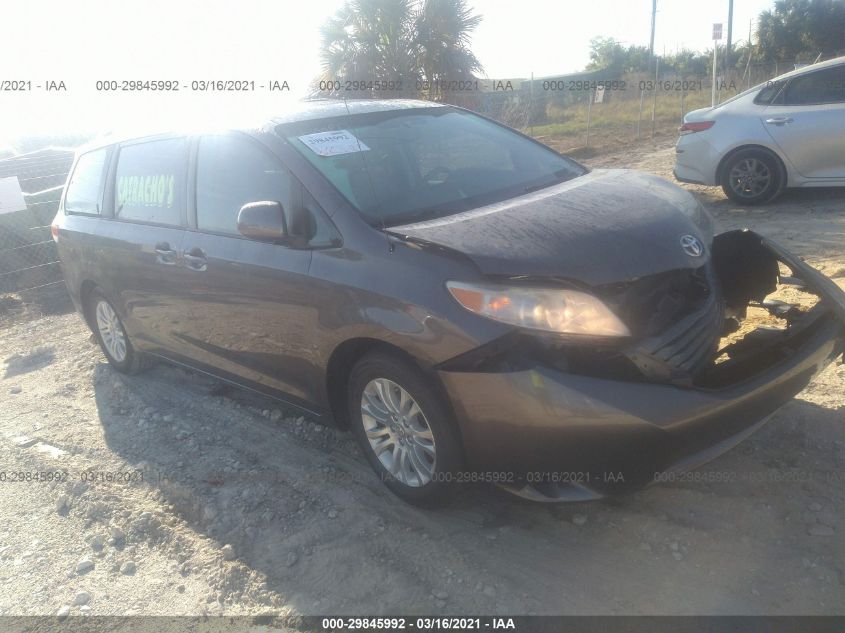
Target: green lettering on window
column 155, row 190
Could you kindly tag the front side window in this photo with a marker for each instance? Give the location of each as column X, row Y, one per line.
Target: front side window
column 86, row 184
column 408, row 165
column 770, row 92
column 822, row 86
column 232, row 172
column 150, row 182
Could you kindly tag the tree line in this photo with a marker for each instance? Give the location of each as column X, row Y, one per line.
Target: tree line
column 401, row 46
column 794, row 31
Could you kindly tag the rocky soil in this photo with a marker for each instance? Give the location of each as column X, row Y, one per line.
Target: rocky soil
column 171, row 493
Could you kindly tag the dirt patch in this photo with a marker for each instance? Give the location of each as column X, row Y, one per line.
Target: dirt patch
column 168, row 493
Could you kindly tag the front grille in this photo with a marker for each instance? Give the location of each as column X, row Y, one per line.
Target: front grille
column 680, row 351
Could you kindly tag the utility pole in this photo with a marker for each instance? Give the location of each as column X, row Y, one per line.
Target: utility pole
column 730, row 33
column 713, row 86
column 651, row 42
column 747, row 75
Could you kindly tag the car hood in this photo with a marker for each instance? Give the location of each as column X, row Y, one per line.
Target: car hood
column 606, row 226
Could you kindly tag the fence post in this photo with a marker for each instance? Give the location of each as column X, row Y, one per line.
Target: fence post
column 654, row 101
column 589, row 111
column 531, row 104
column 640, row 115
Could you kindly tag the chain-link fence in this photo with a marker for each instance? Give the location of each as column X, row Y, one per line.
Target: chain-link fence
column 593, row 109
column 28, row 261
column 602, row 110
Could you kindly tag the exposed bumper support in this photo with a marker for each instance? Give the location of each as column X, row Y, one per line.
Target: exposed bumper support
column 553, row 434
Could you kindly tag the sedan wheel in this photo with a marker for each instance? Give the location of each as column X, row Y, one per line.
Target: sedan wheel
column 752, row 177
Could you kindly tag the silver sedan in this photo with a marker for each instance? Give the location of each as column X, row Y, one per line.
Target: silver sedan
column 786, row 132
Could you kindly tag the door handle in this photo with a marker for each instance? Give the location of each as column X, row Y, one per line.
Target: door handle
column 164, row 254
column 779, row 120
column 196, row 260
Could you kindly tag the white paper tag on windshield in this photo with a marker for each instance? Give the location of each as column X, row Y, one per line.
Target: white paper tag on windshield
column 333, row 143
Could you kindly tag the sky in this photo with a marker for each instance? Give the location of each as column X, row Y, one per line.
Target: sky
column 81, row 42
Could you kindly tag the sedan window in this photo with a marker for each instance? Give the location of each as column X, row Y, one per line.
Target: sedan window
column 823, row 86
column 771, row 90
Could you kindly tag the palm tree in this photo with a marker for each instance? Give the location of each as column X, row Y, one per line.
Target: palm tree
column 370, row 40
column 442, row 31
column 400, row 41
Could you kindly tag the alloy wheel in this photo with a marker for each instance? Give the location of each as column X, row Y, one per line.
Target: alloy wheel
column 111, row 331
column 398, row 432
column 750, row 177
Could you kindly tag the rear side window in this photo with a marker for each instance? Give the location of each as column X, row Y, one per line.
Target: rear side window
column 150, row 182
column 85, row 188
column 823, row 86
column 231, row 172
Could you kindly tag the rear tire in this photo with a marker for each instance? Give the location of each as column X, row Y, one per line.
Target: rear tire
column 404, row 429
column 112, row 337
column 752, row 177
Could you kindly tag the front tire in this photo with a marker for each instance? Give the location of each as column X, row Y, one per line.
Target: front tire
column 753, row 177
column 404, row 429
column 112, row 337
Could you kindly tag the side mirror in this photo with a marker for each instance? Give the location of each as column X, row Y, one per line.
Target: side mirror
column 263, row 221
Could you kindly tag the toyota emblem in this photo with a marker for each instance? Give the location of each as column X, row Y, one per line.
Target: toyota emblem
column 692, row 245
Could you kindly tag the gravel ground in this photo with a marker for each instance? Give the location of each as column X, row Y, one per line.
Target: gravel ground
column 185, row 496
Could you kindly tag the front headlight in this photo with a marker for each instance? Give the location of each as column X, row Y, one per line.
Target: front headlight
column 550, row 310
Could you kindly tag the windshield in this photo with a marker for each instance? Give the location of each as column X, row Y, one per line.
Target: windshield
column 403, row 166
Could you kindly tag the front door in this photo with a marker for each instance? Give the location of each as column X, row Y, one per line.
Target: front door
column 250, row 301
column 808, row 123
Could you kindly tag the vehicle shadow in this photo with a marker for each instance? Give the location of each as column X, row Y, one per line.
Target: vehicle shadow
column 812, row 194
column 37, row 358
column 791, row 200
column 302, row 509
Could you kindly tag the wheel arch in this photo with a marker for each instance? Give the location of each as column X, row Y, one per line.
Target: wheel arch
column 85, row 291
column 349, row 352
column 720, row 168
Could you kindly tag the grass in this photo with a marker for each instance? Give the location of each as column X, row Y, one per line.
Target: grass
column 616, row 121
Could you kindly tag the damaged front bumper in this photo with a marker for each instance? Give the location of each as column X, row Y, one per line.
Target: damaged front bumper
column 549, row 432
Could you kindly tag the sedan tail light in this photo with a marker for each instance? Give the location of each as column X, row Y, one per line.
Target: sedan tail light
column 695, row 126
column 54, row 231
